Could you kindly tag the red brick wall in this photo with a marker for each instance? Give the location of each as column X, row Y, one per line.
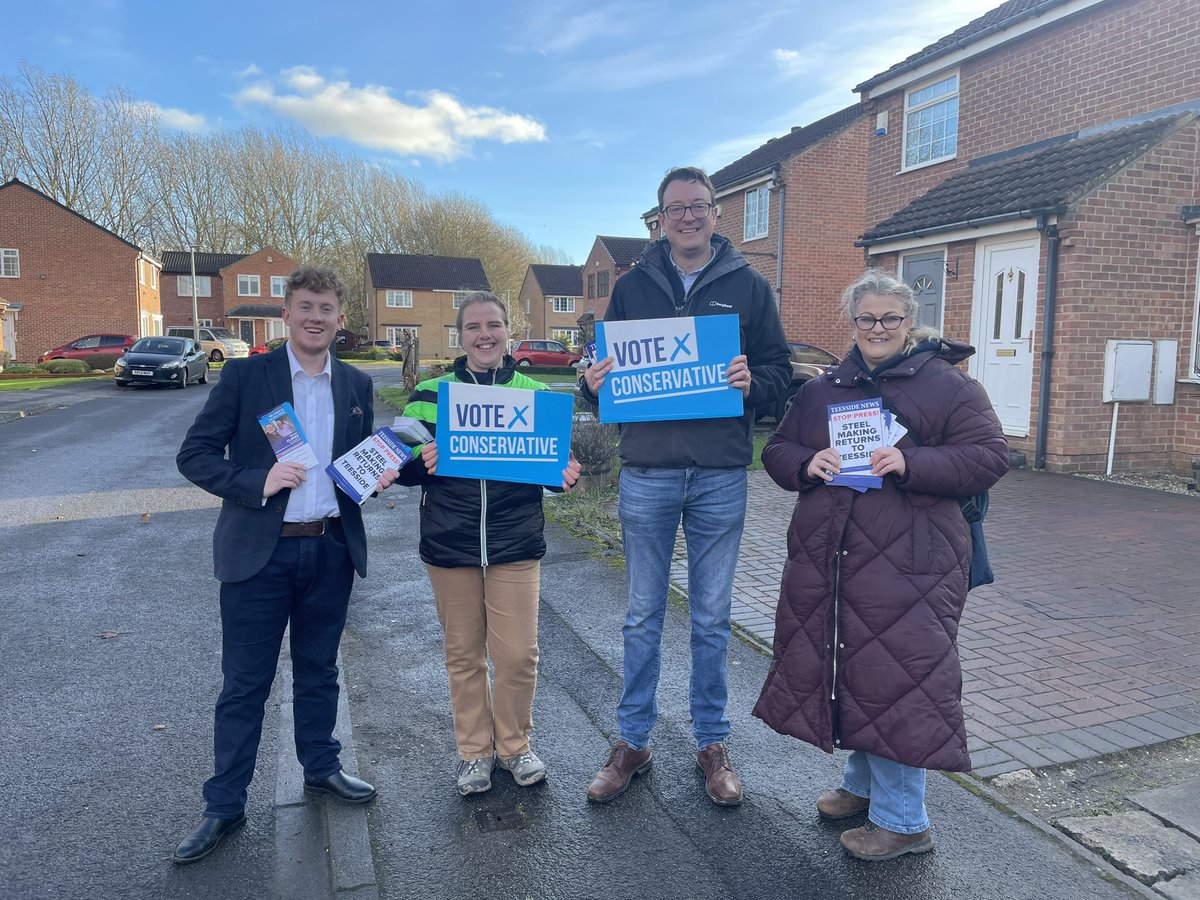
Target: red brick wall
column 1118, row 60
column 533, row 301
column 76, row 278
column 599, row 261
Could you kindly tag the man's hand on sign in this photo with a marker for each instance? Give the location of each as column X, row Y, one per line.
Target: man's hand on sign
column 571, row 473
column 429, row 457
column 738, row 374
column 594, row 374
column 284, row 475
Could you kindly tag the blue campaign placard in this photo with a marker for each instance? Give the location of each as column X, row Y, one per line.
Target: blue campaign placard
column 505, row 434
column 666, row 369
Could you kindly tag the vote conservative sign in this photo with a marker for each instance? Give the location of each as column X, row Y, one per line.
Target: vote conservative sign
column 506, row 434
column 669, row 368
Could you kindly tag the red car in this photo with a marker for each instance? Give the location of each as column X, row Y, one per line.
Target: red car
column 543, row 353
column 89, row 346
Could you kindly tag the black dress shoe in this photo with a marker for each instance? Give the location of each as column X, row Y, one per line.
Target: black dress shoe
column 344, row 787
column 205, row 839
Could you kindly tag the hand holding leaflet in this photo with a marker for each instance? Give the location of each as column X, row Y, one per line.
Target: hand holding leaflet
column 358, row 471
column 281, row 425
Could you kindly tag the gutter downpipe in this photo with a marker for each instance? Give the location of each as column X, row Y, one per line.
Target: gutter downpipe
column 779, row 252
column 1043, row 413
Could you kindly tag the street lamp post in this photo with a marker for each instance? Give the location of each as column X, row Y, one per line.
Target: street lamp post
column 195, row 304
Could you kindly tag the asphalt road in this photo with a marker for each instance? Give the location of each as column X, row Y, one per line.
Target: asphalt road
column 111, row 630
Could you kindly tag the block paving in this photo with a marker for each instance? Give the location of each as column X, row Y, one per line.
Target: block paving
column 1087, row 644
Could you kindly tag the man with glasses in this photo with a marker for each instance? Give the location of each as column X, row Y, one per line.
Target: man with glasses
column 692, row 471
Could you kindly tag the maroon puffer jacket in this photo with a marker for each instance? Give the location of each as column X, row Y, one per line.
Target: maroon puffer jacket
column 881, row 576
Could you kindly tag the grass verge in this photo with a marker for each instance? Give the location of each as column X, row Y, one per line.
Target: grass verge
column 33, row 384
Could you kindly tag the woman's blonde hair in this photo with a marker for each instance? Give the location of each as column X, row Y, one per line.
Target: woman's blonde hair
column 878, row 283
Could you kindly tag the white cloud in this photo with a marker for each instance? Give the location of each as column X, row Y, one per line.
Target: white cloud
column 552, row 30
column 250, row 71
column 172, row 117
column 438, row 125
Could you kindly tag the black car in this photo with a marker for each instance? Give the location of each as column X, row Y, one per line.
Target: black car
column 175, row 361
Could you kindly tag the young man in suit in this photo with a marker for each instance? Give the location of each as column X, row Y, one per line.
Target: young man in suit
column 285, row 549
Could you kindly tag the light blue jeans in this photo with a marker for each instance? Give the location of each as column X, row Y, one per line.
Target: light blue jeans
column 897, row 791
column 712, row 506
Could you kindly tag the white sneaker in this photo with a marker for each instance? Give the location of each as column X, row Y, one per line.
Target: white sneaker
column 525, row 767
column 475, row 775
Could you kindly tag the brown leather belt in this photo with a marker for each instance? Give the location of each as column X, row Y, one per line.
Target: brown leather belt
column 308, row 529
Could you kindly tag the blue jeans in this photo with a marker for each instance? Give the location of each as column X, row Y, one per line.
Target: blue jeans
column 306, row 583
column 897, row 791
column 712, row 505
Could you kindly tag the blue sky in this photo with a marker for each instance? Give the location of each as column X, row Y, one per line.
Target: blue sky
column 560, row 116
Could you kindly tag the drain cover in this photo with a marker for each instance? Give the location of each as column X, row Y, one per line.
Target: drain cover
column 499, row 819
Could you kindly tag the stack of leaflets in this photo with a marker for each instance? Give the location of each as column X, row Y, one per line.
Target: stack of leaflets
column 357, row 471
column 411, row 430
column 282, row 428
column 856, row 430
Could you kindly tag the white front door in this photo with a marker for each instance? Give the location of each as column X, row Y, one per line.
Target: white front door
column 1006, row 304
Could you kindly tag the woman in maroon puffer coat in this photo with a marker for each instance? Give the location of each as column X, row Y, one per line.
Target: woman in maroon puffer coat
column 865, row 655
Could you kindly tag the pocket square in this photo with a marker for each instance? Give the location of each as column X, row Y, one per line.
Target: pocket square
column 356, row 411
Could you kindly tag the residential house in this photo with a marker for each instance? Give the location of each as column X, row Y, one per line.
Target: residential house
column 610, row 258
column 239, row 291
column 552, row 297
column 793, row 207
column 415, row 295
column 1045, row 159
column 63, row 276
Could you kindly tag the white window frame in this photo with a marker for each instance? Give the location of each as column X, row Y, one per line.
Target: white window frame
column 568, row 337
column 249, row 279
column 562, row 304
column 279, row 281
column 141, row 263
column 912, row 109
column 398, row 299
column 457, row 298
column 205, row 323
column 154, row 277
column 452, row 339
column 7, row 254
column 757, row 219
column 203, row 286
column 396, row 333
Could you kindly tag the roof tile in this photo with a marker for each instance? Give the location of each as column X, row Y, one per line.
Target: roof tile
column 559, row 281
column 428, row 273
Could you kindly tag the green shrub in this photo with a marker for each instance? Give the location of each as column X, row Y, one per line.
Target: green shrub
column 19, row 369
column 548, row 370
column 64, row 367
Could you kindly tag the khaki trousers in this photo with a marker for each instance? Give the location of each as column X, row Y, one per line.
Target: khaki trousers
column 490, row 612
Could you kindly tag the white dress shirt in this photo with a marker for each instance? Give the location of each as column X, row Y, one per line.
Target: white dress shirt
column 312, row 396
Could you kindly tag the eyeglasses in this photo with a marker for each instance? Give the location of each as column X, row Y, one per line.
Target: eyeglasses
column 889, row 323
column 675, row 211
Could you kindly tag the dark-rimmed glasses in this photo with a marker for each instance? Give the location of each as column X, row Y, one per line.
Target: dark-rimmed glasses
column 675, row 211
column 868, row 323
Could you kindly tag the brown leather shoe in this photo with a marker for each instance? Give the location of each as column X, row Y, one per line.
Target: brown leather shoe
column 720, row 781
column 841, row 804
column 613, row 779
column 874, row 843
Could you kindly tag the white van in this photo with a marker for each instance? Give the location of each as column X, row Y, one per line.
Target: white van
column 218, row 343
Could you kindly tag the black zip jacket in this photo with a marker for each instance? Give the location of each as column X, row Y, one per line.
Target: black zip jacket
column 728, row 285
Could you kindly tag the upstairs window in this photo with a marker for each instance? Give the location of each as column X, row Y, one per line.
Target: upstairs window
column 602, row 284
column 399, row 299
column 278, row 285
column 203, row 286
column 141, row 271
column 10, row 263
column 591, row 285
column 249, row 286
column 931, row 123
column 564, row 304
column 758, row 209
column 154, row 277
column 457, row 298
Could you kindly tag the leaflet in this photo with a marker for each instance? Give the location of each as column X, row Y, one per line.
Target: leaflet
column 282, row 428
column 357, row 471
column 411, row 430
column 856, row 430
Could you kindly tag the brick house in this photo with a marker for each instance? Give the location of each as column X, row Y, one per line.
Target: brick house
column 552, row 297
column 1035, row 177
column 239, row 291
column 420, row 295
column 63, row 276
column 793, row 207
column 610, row 258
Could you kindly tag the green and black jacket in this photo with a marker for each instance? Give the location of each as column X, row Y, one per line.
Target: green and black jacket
column 470, row 521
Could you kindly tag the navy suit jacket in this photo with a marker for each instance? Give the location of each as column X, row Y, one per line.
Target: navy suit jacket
column 247, row 530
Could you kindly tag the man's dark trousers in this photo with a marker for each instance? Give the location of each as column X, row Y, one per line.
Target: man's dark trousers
column 306, row 581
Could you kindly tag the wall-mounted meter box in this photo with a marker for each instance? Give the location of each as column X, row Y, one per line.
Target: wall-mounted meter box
column 1128, row 370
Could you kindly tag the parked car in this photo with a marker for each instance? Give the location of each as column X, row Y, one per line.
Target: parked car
column 268, row 346
column 90, row 345
column 543, row 353
column 218, row 343
column 808, row 362
column 175, row 361
column 385, row 346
